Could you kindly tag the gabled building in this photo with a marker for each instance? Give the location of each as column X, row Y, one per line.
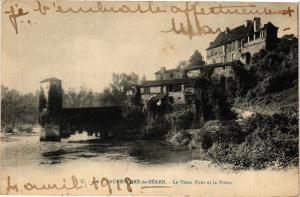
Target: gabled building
column 164, row 74
column 229, row 49
column 173, row 88
column 176, row 83
column 240, row 43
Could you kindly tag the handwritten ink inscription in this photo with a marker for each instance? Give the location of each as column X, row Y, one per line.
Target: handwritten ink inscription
column 75, row 184
column 13, row 15
column 191, row 12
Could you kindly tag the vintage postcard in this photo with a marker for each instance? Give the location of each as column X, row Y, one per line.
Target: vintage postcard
column 142, row 98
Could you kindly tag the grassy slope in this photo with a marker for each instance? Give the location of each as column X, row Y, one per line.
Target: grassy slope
column 280, row 102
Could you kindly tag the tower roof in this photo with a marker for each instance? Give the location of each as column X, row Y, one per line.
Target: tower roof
column 50, row 79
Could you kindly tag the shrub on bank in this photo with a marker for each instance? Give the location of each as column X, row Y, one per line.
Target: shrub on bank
column 7, row 128
column 181, row 119
column 182, row 137
column 265, row 141
column 20, row 128
column 179, row 123
column 24, row 128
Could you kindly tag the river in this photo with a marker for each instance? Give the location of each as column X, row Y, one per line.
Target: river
column 27, row 150
column 25, row 159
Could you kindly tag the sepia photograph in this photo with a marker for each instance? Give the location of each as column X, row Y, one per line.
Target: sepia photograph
column 141, row 98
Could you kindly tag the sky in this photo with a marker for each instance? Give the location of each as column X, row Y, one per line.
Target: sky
column 85, row 49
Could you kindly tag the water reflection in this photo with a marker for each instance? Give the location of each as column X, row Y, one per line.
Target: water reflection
column 27, row 150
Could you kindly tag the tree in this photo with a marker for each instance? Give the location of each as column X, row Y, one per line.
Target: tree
column 116, row 93
column 17, row 108
column 143, row 79
column 123, row 82
column 81, row 98
column 42, row 100
column 196, row 59
column 183, row 64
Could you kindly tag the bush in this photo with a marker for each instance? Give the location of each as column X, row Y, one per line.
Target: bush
column 8, row 129
column 206, row 135
column 24, row 128
column 269, row 72
column 181, row 119
column 266, row 141
column 182, row 137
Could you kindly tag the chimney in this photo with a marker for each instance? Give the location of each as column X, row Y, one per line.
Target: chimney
column 257, row 24
column 227, row 30
column 162, row 69
column 247, row 23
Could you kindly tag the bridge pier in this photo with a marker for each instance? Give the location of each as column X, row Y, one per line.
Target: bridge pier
column 50, row 132
column 50, row 106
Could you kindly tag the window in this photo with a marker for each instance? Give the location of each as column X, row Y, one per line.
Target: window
column 171, row 76
column 228, row 47
column 177, row 88
column 257, row 35
column 146, row 90
column 238, row 44
column 159, row 77
column 232, row 46
column 248, row 58
column 174, row 88
column 171, row 99
column 251, row 37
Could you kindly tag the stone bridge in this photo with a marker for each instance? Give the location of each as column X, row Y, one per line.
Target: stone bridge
column 58, row 122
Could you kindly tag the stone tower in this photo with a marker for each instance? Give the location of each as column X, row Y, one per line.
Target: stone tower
column 50, row 106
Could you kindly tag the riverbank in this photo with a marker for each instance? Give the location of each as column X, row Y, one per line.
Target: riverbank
column 27, row 160
column 259, row 141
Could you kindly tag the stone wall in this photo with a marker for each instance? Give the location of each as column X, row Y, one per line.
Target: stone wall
column 254, row 46
column 226, row 71
column 215, row 59
column 251, row 47
column 178, row 97
column 233, row 55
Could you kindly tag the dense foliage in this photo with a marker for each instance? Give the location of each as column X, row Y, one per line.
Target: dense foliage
column 17, row 109
column 114, row 95
column 263, row 141
column 269, row 71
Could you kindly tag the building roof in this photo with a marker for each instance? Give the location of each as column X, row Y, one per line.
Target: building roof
column 237, row 33
column 168, row 71
column 269, row 24
column 166, row 82
column 190, row 68
column 50, row 79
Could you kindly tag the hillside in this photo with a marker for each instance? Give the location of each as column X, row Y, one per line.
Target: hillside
column 285, row 101
column 266, row 91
